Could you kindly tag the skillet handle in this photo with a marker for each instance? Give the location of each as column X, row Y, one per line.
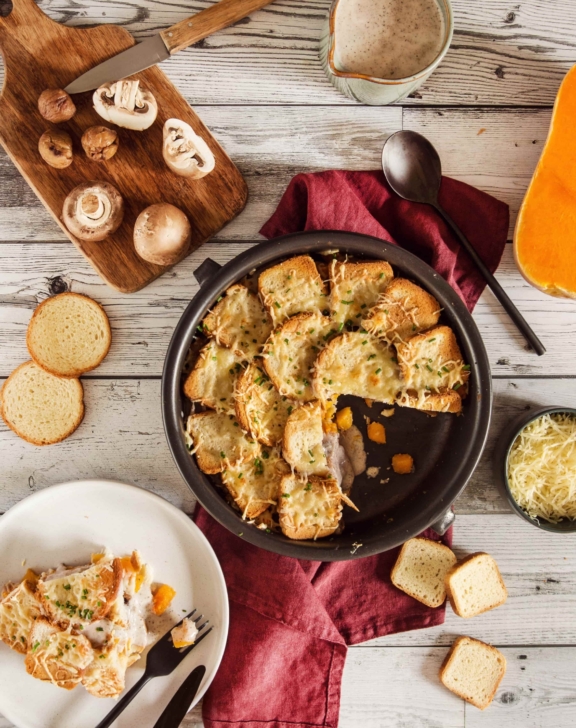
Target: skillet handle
column 442, row 524
column 206, row 271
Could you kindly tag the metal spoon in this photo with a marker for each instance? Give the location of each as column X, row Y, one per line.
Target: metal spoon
column 413, row 170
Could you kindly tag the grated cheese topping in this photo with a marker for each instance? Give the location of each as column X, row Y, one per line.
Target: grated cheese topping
column 542, row 468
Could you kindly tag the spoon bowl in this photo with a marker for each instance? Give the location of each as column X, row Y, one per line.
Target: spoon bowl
column 412, row 167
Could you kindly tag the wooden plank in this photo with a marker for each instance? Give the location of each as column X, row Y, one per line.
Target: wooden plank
column 501, row 53
column 269, row 145
column 137, row 171
column 143, row 323
column 123, row 419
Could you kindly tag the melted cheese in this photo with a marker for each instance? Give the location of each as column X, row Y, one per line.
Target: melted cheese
column 292, row 287
column 254, row 484
column 303, row 440
column 542, row 468
column 359, row 364
column 265, row 410
column 213, row 378
column 355, row 288
column 311, row 506
column 18, row 612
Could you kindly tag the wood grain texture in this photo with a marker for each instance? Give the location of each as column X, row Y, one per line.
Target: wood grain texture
column 503, row 52
column 142, row 324
column 40, row 54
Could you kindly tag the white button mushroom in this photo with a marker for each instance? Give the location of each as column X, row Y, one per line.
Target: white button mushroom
column 93, row 210
column 162, row 234
column 185, row 152
column 125, row 104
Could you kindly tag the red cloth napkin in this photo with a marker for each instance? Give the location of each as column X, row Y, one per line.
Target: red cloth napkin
column 291, row 620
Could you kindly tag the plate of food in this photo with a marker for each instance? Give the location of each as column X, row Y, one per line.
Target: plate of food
column 326, row 395
column 93, row 574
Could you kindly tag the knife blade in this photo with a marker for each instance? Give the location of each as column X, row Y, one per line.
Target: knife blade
column 175, row 712
column 166, row 43
column 135, row 59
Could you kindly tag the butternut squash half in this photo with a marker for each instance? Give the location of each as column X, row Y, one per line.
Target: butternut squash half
column 545, row 235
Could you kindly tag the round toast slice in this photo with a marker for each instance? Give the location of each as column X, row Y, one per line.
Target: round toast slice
column 39, row 407
column 68, row 335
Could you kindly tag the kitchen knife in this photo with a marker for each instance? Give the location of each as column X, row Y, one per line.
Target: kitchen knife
column 166, row 43
column 175, row 712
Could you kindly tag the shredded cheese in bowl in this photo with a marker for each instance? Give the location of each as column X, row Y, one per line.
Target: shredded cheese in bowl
column 542, row 468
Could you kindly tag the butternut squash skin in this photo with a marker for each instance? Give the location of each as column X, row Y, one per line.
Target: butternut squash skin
column 545, row 234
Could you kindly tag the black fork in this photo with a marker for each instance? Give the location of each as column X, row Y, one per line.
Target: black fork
column 162, row 659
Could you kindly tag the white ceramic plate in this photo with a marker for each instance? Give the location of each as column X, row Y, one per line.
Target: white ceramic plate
column 65, row 524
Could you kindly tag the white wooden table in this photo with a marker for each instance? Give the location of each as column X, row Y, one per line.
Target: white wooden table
column 260, row 88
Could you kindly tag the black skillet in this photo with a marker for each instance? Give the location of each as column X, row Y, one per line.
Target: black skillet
column 446, row 448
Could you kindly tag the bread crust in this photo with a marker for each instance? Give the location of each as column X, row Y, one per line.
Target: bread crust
column 327, row 489
column 453, row 597
column 14, row 428
column 450, row 657
column 33, row 321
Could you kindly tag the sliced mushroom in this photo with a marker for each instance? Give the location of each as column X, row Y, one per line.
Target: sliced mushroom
column 185, row 152
column 162, row 234
column 125, row 104
column 93, row 210
column 55, row 148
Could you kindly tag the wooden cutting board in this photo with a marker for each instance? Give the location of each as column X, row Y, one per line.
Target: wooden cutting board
column 39, row 54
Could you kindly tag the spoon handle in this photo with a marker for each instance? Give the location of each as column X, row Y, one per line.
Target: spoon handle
column 521, row 323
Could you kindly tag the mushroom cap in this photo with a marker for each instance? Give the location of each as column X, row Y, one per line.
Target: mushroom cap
column 125, row 103
column 186, row 153
column 162, row 234
column 55, row 147
column 93, row 210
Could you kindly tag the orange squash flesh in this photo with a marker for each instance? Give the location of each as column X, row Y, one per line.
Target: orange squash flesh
column 545, row 235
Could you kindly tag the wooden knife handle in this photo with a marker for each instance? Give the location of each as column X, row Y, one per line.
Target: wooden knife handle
column 218, row 16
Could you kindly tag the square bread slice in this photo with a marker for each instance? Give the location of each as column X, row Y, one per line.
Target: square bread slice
column 254, row 484
column 213, row 378
column 309, row 507
column 359, row 364
column 291, row 287
column 303, row 440
column 57, row 656
column 291, row 351
column 218, row 441
column 421, row 568
column 473, row 670
column 402, row 310
column 475, row 585
column 19, row 609
column 356, row 287
column 105, row 676
column 433, row 371
column 239, row 322
column 261, row 410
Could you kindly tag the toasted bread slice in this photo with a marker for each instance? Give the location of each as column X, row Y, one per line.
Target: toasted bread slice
column 19, row 609
column 105, row 676
column 239, row 322
column 213, row 379
column 261, row 410
column 433, row 371
column 359, row 364
column 254, row 483
column 80, row 595
column 309, row 507
column 475, row 585
column 291, row 287
column 57, row 656
column 473, row 670
column 420, row 570
column 402, row 310
column 290, row 353
column 356, row 287
column 39, row 407
column 68, row 335
column 218, row 441
column 303, row 440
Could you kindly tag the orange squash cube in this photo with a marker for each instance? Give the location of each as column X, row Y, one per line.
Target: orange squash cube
column 402, row 463
column 162, row 598
column 344, row 418
column 377, row 433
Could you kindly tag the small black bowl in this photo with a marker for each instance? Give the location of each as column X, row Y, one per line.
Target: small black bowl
column 500, row 460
